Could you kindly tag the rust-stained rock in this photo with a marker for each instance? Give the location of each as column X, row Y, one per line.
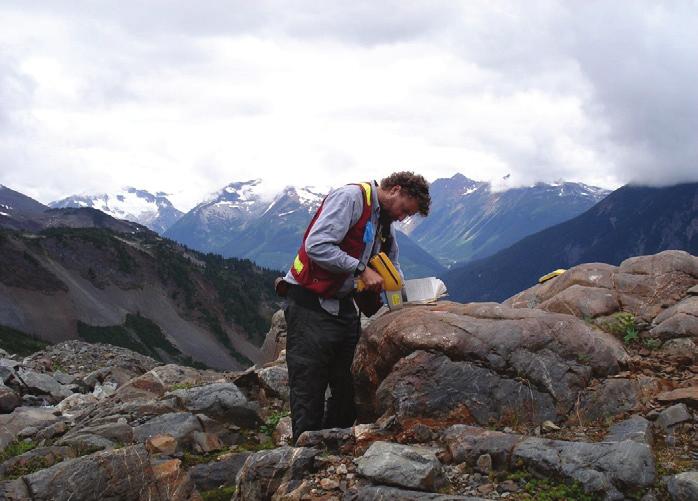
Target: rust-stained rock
column 127, row 473
column 161, row 444
column 477, row 362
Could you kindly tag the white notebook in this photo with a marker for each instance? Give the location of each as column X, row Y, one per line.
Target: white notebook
column 424, row 290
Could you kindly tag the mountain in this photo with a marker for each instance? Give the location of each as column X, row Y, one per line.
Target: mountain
column 154, row 211
column 248, row 220
column 631, row 221
column 17, row 210
column 469, row 221
column 132, row 288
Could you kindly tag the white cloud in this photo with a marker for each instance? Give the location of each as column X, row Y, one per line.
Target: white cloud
column 185, row 98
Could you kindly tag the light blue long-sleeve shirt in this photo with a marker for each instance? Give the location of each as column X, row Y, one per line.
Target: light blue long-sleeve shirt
column 341, row 210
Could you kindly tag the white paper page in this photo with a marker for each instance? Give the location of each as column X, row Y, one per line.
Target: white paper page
column 422, row 290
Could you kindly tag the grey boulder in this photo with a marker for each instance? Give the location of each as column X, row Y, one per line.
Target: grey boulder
column 224, row 401
column 402, row 466
column 684, row 486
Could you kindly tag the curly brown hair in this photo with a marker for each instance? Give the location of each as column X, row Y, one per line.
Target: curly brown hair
column 413, row 184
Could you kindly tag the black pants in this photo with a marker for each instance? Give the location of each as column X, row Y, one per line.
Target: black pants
column 319, row 351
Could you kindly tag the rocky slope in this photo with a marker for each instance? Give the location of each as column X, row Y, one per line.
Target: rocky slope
column 583, row 388
column 134, row 289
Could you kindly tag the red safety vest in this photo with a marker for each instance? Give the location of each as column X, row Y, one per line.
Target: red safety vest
column 319, row 280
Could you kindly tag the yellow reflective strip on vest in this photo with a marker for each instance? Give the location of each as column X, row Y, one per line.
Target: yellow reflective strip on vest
column 297, row 265
column 367, row 189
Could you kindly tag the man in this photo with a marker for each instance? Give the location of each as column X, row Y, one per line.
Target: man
column 352, row 224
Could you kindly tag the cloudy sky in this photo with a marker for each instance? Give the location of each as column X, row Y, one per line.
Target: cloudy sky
column 185, row 97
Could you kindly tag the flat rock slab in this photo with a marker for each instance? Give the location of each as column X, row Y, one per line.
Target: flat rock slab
column 43, row 384
column 265, row 471
column 606, row 467
column 221, row 400
column 635, row 428
column 600, row 467
column 403, row 466
column 385, row 493
column 672, row 416
column 179, row 425
column 557, row 355
column 687, row 395
column 684, row 486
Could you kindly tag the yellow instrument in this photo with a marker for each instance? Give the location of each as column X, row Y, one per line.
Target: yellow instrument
column 550, row 275
column 392, row 281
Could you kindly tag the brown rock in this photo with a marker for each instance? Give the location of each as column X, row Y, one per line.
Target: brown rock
column 686, row 395
column 583, row 302
column 161, row 444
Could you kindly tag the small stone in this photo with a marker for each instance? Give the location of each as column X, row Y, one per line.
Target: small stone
column 550, row 426
column 484, row 464
column 672, row 416
column 329, row 484
column 342, row 469
column 485, row 489
column 508, row 430
column 206, row 442
column 508, row 486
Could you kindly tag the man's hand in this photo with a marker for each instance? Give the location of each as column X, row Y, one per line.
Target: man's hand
column 372, row 280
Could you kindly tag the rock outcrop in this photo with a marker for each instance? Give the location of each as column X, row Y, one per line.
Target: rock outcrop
column 479, row 363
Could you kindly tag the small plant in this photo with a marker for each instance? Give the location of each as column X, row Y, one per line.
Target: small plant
column 583, row 358
column 622, row 324
column 16, row 448
column 272, row 421
column 550, row 490
column 220, row 494
column 652, row 343
column 181, row 386
column 25, row 468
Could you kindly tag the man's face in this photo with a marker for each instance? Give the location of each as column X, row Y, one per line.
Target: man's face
column 398, row 205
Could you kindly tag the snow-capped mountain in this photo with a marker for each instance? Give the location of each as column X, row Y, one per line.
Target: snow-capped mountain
column 248, row 219
column 468, row 220
column 154, row 211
